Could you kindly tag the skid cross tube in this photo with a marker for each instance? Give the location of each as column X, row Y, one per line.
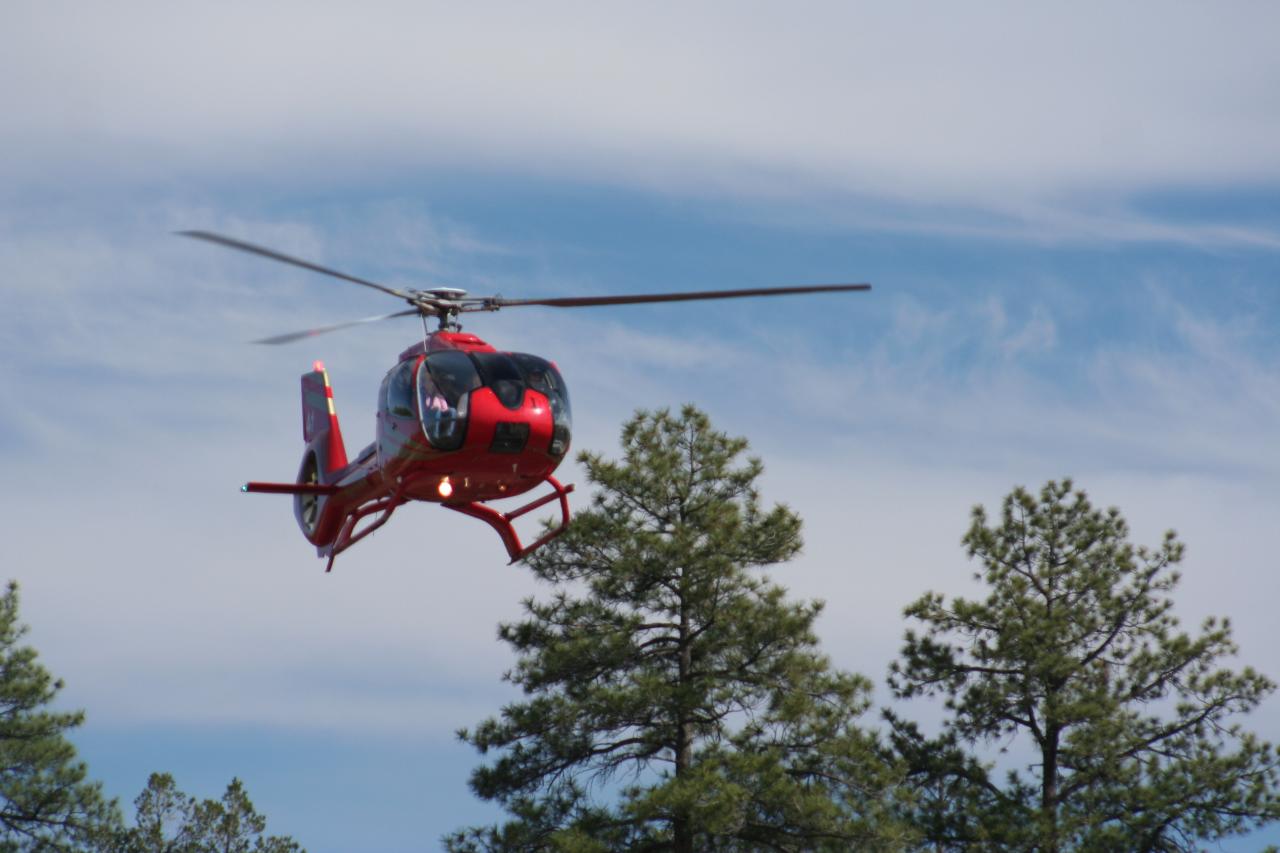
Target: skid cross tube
column 501, row 521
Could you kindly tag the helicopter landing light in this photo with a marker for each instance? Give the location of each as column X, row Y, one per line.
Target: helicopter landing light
column 445, row 488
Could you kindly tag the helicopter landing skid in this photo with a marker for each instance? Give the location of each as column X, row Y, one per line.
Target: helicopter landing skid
column 501, row 521
column 349, row 536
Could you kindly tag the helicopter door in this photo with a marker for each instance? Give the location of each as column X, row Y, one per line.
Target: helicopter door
column 445, row 382
column 397, row 412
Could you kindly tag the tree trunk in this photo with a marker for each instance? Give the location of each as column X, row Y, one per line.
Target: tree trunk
column 681, row 830
column 1049, row 790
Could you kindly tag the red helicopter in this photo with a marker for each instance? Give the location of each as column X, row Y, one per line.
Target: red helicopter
column 459, row 423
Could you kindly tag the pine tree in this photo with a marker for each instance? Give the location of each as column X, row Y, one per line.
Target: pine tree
column 46, row 800
column 674, row 699
column 161, row 815
column 169, row 821
column 1076, row 653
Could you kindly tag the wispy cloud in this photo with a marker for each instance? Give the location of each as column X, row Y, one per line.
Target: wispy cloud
column 134, row 409
column 132, row 384
column 1017, row 122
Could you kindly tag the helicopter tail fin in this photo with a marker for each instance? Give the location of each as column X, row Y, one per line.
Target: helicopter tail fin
column 320, row 423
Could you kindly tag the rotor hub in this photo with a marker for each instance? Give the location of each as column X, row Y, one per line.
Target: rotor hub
column 444, row 303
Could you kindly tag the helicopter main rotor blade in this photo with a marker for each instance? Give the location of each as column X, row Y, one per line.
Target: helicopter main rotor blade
column 636, row 298
column 310, row 333
column 232, row 243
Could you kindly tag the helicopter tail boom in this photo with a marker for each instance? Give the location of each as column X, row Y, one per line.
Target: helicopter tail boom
column 288, row 488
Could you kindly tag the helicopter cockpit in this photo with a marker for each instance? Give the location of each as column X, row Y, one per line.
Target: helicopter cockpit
column 444, row 382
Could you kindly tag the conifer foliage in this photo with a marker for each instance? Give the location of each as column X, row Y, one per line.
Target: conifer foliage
column 46, row 800
column 48, row 803
column 674, row 698
column 169, row 821
column 1075, row 655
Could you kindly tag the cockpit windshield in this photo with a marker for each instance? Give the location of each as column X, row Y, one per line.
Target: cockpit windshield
column 500, row 373
column 542, row 376
column 445, row 380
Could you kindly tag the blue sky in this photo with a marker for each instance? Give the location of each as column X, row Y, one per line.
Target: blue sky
column 1070, row 216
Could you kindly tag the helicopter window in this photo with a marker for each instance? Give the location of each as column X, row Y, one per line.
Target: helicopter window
column 444, row 381
column 502, row 376
column 400, row 390
column 453, row 373
column 541, row 375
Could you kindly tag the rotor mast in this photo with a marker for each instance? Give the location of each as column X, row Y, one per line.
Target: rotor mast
column 444, row 303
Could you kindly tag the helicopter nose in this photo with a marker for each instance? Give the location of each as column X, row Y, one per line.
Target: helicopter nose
column 509, row 437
